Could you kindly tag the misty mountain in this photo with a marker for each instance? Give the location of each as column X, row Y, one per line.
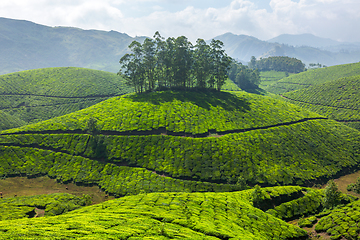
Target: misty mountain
column 243, row 47
column 27, row 45
column 306, row 39
column 301, row 40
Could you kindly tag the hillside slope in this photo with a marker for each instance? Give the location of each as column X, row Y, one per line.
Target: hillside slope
column 338, row 99
column 41, row 94
column 7, row 121
column 242, row 47
column 164, row 216
column 314, row 77
column 197, row 141
column 26, row 45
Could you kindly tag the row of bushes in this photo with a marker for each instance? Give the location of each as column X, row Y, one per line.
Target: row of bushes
column 117, row 180
column 337, row 99
column 190, row 112
column 313, row 77
column 36, row 109
column 342, row 222
column 281, row 155
column 53, row 204
column 160, row 216
column 63, row 81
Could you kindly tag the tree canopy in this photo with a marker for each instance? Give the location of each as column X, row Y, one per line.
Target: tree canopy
column 243, row 76
column 281, row 64
column 175, row 62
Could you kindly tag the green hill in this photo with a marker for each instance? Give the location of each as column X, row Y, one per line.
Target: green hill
column 338, row 99
column 269, row 78
column 182, row 141
column 166, row 216
column 314, row 77
column 7, row 121
column 26, row 45
column 41, row 94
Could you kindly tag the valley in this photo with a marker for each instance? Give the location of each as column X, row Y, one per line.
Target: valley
column 89, row 154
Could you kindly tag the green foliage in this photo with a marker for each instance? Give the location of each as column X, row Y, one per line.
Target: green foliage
column 341, row 222
column 116, row 180
column 267, row 78
column 7, row 121
column 310, row 203
column 53, row 204
column 332, row 195
column 160, row 216
column 244, row 77
column 175, row 62
column 272, row 142
column 258, row 196
column 181, row 112
column 307, row 222
column 314, row 77
column 267, row 156
column 230, row 86
column 281, row 64
column 338, row 99
column 41, row 94
column 355, row 187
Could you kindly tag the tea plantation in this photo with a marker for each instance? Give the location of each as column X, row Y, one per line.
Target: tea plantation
column 208, row 141
column 314, row 77
column 7, row 121
column 41, row 94
column 166, row 216
column 338, row 100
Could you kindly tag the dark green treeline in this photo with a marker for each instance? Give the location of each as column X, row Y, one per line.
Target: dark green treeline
column 175, row 63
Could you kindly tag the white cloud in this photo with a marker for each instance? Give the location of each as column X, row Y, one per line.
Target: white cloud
column 337, row 19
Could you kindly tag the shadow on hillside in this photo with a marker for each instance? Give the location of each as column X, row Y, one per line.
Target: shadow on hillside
column 204, row 99
column 257, row 91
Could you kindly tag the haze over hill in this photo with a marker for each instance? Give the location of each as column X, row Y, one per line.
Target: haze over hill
column 26, row 45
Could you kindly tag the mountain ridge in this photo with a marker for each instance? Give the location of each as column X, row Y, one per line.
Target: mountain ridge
column 27, row 45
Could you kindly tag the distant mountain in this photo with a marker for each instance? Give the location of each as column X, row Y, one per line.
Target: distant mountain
column 301, row 40
column 304, row 40
column 26, row 45
column 242, row 47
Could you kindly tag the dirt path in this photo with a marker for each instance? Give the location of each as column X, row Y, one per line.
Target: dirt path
column 22, row 186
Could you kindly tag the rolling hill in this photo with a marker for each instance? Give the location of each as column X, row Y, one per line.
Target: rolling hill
column 7, row 121
column 170, row 216
column 337, row 99
column 242, row 47
column 182, row 141
column 41, row 94
column 314, row 77
column 26, row 45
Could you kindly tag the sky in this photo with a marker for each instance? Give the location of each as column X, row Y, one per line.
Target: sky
column 264, row 19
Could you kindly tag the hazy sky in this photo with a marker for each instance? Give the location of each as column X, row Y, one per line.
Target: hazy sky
column 264, row 19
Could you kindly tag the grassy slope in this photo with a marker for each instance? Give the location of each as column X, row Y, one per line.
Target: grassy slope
column 182, row 112
column 41, row 94
column 163, row 216
column 52, row 204
column 338, row 99
column 313, row 77
column 265, row 152
column 7, row 121
column 269, row 78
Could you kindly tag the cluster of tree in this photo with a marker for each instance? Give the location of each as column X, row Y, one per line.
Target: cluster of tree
column 175, row 62
column 316, row 65
column 243, row 76
column 281, row 64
